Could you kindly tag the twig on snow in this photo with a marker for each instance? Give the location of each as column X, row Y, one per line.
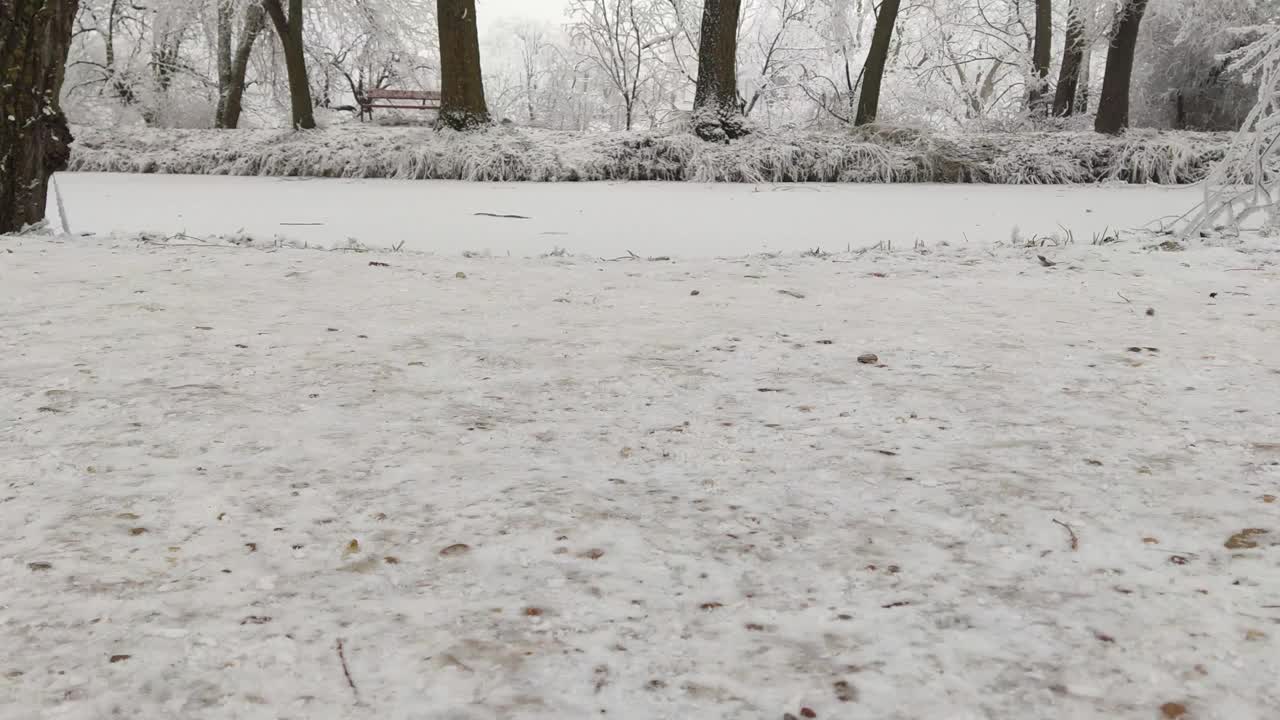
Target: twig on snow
column 500, row 215
column 632, row 256
column 347, row 671
column 1075, row 541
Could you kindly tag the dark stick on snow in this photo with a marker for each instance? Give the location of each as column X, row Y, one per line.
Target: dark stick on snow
column 301, row 224
column 1075, row 541
column 513, row 217
column 347, row 671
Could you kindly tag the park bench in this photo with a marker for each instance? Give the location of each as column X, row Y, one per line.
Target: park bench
column 397, row 100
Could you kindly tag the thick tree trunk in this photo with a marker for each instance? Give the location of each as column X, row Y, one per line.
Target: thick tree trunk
column 717, row 114
column 231, row 85
column 462, row 104
column 1064, row 99
column 295, row 60
column 873, row 70
column 1037, row 98
column 1113, row 106
column 34, row 140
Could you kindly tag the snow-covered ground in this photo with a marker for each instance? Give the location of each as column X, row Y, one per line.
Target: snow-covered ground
column 303, row 484
column 607, row 219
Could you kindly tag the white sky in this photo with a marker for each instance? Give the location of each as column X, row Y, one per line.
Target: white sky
column 491, row 11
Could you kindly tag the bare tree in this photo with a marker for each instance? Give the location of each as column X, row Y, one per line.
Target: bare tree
column 34, row 140
column 462, row 103
column 877, row 56
column 619, row 37
column 771, row 48
column 717, row 112
column 1113, row 106
column 289, row 28
column 234, row 66
column 1073, row 61
column 1037, row 100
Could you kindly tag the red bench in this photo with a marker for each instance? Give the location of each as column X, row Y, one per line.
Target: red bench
column 397, row 100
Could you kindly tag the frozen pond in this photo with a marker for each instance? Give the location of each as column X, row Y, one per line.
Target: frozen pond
column 607, row 219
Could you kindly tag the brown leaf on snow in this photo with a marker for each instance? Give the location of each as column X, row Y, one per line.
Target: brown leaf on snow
column 137, row 531
column 351, row 548
column 533, row 612
column 1252, row 635
column 1268, row 498
column 37, row 566
column 1150, row 541
column 1243, row 540
column 593, row 554
column 1179, row 559
column 711, row 605
column 1173, row 710
column 808, row 712
column 456, row 549
column 120, row 658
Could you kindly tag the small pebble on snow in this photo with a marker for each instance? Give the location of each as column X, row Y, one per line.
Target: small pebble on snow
column 868, row 358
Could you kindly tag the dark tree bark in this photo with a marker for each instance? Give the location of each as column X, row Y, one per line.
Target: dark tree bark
column 1037, row 98
column 1113, row 106
column 35, row 36
column 232, row 68
column 873, row 70
column 462, row 104
column 295, row 60
column 1064, row 99
column 717, row 112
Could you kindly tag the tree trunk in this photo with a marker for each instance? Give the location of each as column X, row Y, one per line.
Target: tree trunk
column 295, row 60
column 1086, row 77
column 873, row 70
column 231, row 96
column 717, row 113
column 224, row 16
column 1037, row 100
column 462, row 104
column 1064, row 100
column 1113, row 106
column 34, row 139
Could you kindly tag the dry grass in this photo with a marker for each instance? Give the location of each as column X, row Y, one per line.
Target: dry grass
column 517, row 154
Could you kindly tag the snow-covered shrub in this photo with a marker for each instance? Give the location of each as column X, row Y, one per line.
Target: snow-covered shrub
column 509, row 153
column 1245, row 184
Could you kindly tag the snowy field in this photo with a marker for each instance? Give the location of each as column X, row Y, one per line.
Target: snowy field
column 607, row 219
column 304, row 484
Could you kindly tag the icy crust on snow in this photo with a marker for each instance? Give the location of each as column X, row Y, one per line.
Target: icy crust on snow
column 502, row 153
column 566, row 488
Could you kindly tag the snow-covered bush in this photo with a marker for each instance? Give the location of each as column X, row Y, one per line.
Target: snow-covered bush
column 1244, row 186
column 513, row 153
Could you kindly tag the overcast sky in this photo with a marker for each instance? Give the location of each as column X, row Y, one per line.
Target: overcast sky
column 490, row 11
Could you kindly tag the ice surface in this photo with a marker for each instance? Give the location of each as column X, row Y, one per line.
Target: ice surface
column 607, row 219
